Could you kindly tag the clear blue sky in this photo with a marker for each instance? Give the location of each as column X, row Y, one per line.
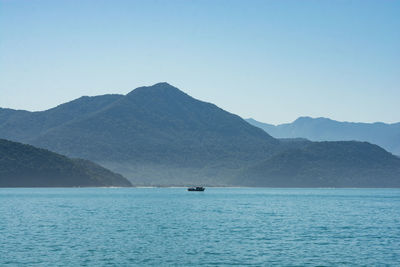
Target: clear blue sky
column 270, row 60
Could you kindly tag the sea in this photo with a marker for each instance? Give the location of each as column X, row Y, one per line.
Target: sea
column 217, row 227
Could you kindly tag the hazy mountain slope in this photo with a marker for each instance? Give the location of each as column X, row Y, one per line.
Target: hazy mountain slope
column 24, row 126
column 326, row 164
column 27, row 166
column 322, row 129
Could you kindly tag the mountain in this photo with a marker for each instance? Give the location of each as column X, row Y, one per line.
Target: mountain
column 326, row 164
column 156, row 133
column 27, row 166
column 159, row 135
column 323, row 129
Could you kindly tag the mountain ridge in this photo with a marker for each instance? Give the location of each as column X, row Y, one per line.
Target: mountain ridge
column 386, row 135
column 159, row 135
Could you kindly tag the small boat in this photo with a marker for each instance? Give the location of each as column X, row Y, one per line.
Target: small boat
column 197, row 188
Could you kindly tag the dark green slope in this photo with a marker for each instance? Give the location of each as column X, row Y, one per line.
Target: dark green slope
column 326, row 164
column 27, row 166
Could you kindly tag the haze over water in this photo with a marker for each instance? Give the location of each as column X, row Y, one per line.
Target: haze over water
column 221, row 226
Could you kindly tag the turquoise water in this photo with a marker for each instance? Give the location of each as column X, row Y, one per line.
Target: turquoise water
column 221, row 226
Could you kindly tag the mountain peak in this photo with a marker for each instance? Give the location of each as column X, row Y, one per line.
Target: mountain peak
column 303, row 118
column 306, row 119
column 162, row 87
column 162, row 84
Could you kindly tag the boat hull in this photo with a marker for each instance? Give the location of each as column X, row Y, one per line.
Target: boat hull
column 197, row 189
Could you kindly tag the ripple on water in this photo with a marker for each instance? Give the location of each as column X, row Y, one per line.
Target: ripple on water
column 235, row 226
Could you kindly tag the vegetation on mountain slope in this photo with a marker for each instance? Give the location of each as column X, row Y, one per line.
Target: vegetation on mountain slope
column 27, row 166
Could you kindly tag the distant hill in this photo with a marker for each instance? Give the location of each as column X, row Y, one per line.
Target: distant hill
column 326, row 164
column 323, row 129
column 27, row 166
column 158, row 135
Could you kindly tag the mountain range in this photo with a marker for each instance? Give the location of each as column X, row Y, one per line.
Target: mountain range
column 323, row 129
column 159, row 135
column 27, row 166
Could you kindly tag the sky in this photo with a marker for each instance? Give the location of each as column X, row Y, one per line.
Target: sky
column 270, row 60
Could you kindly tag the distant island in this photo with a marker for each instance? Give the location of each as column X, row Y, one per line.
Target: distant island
column 27, row 166
column 159, row 135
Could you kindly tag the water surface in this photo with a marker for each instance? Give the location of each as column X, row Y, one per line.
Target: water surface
column 221, row 226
